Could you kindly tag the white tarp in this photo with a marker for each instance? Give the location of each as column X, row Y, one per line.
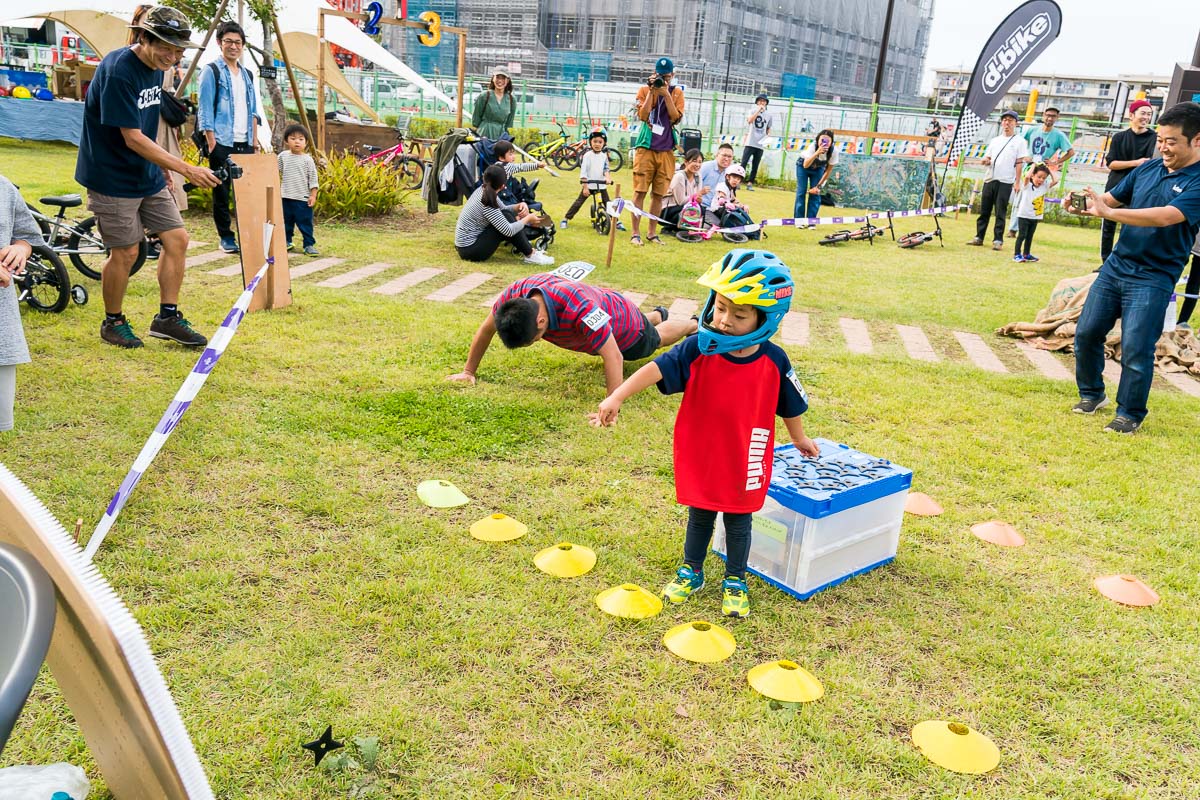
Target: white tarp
column 297, row 20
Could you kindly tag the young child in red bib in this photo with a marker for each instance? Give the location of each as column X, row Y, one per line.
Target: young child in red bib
column 734, row 383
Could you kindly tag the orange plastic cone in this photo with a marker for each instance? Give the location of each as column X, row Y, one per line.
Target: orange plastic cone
column 922, row 505
column 1126, row 590
column 998, row 532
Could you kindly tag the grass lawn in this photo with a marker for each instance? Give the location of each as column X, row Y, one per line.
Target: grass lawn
column 288, row 578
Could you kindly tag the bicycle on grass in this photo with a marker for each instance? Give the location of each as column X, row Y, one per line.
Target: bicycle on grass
column 615, row 159
column 79, row 240
column 44, row 284
column 557, row 150
column 410, row 169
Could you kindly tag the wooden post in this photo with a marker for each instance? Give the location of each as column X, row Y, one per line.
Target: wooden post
column 287, row 63
column 320, row 79
column 462, row 77
column 612, row 227
column 191, row 70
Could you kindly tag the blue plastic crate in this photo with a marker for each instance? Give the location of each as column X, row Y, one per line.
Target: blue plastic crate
column 840, row 478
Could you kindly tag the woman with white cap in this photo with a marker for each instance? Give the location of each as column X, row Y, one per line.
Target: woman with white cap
column 495, row 107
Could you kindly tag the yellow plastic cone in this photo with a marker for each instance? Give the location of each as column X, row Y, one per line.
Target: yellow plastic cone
column 956, row 747
column 498, row 528
column 629, row 601
column 565, row 560
column 1126, row 590
column 922, row 505
column 785, row 681
column 441, row 494
column 700, row 641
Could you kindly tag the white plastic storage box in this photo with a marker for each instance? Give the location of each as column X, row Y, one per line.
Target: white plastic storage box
column 826, row 519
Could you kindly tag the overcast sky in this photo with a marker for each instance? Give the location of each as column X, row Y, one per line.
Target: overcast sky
column 1099, row 37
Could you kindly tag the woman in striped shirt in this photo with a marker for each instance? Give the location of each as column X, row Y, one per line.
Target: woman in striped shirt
column 484, row 223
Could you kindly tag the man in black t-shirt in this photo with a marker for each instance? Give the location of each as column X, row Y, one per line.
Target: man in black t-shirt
column 124, row 171
column 1128, row 150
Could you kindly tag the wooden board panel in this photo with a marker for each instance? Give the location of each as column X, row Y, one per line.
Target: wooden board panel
column 259, row 201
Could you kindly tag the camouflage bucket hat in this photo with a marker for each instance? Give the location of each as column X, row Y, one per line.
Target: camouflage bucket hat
column 169, row 25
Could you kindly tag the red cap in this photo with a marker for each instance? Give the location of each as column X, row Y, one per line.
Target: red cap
column 1136, row 104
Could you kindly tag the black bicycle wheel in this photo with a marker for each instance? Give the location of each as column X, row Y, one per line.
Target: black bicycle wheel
column 602, row 222
column 530, row 147
column 735, row 238
column 42, row 224
column 564, row 158
column 45, row 286
column 688, row 236
column 914, row 239
column 615, row 159
column 410, row 171
column 88, row 253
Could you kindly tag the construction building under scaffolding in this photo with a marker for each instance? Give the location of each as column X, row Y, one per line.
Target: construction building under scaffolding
column 792, row 47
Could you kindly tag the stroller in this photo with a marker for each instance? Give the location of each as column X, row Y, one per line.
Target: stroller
column 518, row 190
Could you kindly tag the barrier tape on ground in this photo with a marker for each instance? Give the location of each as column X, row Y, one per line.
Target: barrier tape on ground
column 616, row 206
column 183, row 398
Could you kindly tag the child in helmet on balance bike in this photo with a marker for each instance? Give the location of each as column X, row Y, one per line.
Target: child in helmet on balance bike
column 734, row 383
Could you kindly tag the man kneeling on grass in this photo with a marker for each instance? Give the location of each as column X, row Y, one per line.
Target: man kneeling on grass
column 574, row 316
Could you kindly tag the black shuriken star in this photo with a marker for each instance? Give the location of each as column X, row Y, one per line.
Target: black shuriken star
column 322, row 746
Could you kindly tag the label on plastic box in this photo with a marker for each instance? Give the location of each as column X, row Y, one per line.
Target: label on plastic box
column 769, row 527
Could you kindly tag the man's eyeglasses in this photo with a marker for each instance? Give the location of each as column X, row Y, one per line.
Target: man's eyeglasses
column 233, row 42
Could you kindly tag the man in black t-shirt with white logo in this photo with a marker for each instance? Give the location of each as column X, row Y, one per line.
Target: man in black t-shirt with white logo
column 1128, row 150
column 124, row 171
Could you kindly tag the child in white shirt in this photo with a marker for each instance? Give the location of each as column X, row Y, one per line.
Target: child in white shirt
column 593, row 176
column 1031, row 203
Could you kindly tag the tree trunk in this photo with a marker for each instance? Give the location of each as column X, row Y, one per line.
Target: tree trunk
column 279, row 112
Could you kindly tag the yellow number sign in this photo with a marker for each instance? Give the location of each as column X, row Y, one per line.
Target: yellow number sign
column 434, row 22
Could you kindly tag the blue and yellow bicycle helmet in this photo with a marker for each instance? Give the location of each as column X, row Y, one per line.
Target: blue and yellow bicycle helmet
column 747, row 277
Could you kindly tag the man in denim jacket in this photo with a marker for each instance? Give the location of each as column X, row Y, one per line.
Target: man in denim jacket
column 233, row 128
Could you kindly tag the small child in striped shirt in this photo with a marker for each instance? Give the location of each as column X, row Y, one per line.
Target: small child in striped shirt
column 298, row 188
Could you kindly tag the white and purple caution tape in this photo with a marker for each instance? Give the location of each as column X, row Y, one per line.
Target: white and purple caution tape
column 618, row 205
column 183, row 398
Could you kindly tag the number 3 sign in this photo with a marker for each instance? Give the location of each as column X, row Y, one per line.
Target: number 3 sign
column 433, row 23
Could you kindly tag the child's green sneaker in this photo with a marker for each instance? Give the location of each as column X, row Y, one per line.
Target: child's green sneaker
column 735, row 599
column 687, row 581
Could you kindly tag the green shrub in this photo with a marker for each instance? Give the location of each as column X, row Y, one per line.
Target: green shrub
column 349, row 191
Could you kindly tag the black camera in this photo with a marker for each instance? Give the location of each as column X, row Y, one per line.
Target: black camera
column 228, row 171
column 656, row 81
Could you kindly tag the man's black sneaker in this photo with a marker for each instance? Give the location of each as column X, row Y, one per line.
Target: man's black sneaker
column 119, row 333
column 177, row 329
column 1121, row 424
column 1089, row 406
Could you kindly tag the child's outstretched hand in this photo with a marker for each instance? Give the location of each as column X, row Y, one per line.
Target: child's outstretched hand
column 807, row 446
column 607, row 415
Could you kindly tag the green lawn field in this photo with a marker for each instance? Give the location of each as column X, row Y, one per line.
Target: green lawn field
column 288, row 578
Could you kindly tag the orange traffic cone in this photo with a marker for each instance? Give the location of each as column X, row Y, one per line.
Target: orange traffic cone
column 1126, row 590
column 998, row 532
column 922, row 505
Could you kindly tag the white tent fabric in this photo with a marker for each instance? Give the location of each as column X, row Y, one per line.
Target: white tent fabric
column 297, row 20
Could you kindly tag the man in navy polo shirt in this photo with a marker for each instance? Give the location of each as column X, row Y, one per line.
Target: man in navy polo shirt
column 1158, row 205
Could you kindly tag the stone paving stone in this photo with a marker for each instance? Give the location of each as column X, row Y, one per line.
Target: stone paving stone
column 980, row 354
column 407, row 280
column 858, row 338
column 458, row 288
column 916, row 343
column 354, row 276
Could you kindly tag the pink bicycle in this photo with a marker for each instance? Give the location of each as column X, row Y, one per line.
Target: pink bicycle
column 410, row 169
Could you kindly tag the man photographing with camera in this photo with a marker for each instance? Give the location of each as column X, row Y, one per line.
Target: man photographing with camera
column 659, row 107
column 125, row 173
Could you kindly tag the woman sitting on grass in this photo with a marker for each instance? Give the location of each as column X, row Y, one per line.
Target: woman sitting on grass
column 484, row 223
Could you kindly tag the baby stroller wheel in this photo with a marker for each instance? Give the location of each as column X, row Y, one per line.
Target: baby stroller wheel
column 688, row 236
column 735, row 238
column 79, row 295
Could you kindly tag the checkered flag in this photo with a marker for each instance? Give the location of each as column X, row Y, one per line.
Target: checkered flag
column 965, row 132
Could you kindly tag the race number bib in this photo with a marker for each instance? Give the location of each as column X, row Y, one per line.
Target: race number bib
column 574, row 270
column 597, row 319
column 791, row 376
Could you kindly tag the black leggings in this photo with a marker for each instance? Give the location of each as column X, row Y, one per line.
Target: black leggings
column 582, row 198
column 1025, row 229
column 753, row 157
column 701, row 523
column 485, row 246
column 1193, row 288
